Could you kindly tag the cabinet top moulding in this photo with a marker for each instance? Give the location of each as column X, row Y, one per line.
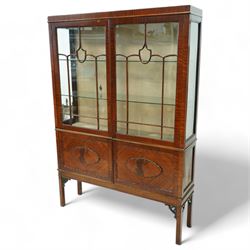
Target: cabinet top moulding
column 173, row 10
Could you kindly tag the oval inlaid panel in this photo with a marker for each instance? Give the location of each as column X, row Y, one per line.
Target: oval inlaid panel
column 86, row 155
column 143, row 167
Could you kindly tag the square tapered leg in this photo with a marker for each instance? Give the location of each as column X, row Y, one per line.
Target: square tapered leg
column 189, row 211
column 61, row 190
column 79, row 187
column 178, row 224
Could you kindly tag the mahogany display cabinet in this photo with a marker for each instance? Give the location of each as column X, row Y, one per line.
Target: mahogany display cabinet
column 125, row 87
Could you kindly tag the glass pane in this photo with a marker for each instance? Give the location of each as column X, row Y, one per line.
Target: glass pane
column 146, row 68
column 145, row 113
column 144, row 130
column 82, row 64
column 193, row 49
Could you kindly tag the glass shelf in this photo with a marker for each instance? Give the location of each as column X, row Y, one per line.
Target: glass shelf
column 146, row 131
column 145, row 102
column 118, row 100
column 84, row 121
column 89, row 125
column 135, row 132
column 146, row 124
column 83, row 116
column 84, row 97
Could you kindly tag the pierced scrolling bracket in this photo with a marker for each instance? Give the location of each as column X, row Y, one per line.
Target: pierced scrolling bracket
column 173, row 208
column 64, row 180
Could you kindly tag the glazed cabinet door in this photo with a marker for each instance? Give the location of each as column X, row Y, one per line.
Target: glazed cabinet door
column 81, row 94
column 146, row 52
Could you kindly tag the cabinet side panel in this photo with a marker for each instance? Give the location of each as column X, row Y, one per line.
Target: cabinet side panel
column 192, row 78
column 188, row 168
column 54, row 71
column 182, row 82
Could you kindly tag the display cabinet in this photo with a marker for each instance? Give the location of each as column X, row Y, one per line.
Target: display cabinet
column 125, row 87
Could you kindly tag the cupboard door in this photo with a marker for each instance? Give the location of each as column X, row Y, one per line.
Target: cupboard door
column 82, row 70
column 87, row 155
column 149, row 169
column 146, row 73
